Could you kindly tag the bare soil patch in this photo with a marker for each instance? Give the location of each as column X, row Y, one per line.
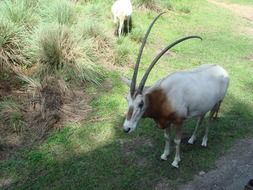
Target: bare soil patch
column 233, row 171
column 241, row 10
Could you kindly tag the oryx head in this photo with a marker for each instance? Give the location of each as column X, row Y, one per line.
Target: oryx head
column 137, row 102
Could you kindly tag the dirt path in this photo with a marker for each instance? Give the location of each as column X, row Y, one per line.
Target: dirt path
column 241, row 10
column 233, row 170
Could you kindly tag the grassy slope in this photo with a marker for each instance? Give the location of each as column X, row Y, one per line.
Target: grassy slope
column 97, row 155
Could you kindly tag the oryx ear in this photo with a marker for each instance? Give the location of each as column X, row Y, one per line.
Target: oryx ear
column 126, row 80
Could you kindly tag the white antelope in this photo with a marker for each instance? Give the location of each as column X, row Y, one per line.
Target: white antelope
column 122, row 11
column 175, row 98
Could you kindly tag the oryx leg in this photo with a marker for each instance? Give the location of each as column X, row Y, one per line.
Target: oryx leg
column 121, row 24
column 166, row 151
column 128, row 24
column 216, row 109
column 193, row 137
column 211, row 115
column 177, row 142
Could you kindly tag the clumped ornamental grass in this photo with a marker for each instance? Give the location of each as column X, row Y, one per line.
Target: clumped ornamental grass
column 123, row 52
column 11, row 43
column 56, row 49
column 21, row 12
column 155, row 5
column 11, row 115
column 60, row 11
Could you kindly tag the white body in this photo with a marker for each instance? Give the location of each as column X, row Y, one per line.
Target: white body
column 121, row 10
column 193, row 93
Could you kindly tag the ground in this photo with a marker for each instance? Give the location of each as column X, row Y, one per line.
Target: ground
column 233, row 171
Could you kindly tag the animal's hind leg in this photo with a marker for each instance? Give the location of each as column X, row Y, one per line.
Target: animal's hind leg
column 211, row 115
column 193, row 137
column 216, row 109
column 121, row 23
column 128, row 25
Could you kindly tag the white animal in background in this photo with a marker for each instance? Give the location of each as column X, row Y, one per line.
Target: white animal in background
column 175, row 98
column 122, row 11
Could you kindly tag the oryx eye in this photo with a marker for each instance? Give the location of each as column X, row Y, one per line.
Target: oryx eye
column 141, row 104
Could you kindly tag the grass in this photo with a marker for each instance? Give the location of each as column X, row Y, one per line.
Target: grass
column 21, row 12
column 11, row 115
column 11, row 43
column 96, row 154
column 61, row 12
column 55, row 48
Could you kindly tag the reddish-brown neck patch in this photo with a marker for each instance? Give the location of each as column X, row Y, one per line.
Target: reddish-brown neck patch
column 159, row 108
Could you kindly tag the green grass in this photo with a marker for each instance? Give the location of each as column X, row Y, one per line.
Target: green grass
column 21, row 12
column 61, row 12
column 96, row 154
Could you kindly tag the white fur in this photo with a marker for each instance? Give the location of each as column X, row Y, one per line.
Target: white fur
column 194, row 93
column 122, row 10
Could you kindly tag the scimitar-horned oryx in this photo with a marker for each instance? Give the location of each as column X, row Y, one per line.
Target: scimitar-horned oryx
column 176, row 97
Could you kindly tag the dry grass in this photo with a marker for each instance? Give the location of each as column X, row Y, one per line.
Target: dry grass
column 11, row 43
column 56, row 48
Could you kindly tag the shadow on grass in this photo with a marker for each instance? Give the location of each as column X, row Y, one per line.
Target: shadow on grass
column 132, row 161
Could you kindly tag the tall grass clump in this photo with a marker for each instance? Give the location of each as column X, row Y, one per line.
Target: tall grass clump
column 11, row 43
column 56, row 49
column 95, row 31
column 20, row 12
column 123, row 52
column 11, row 115
column 155, row 5
column 149, row 4
column 59, row 11
column 90, row 26
column 137, row 34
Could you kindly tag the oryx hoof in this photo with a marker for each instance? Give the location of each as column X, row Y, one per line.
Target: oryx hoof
column 164, row 157
column 191, row 140
column 175, row 164
column 204, row 144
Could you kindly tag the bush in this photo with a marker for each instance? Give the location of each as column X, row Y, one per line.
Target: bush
column 57, row 49
column 123, row 52
column 59, row 11
column 11, row 43
column 11, row 115
column 156, row 5
column 20, row 12
column 149, row 4
column 137, row 34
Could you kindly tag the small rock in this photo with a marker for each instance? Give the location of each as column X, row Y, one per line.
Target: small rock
column 201, row 173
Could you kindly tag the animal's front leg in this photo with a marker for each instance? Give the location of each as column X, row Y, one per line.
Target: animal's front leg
column 177, row 142
column 166, row 151
column 193, row 137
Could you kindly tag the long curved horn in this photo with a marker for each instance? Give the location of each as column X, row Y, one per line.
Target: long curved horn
column 133, row 83
column 145, row 76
